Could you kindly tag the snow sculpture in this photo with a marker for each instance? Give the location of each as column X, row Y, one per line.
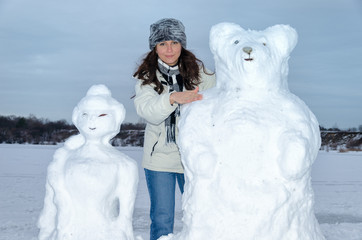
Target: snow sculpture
column 249, row 146
column 91, row 186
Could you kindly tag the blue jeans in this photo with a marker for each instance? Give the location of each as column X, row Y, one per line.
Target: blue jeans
column 161, row 188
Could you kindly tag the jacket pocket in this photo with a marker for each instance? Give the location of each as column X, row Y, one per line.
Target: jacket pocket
column 154, row 145
column 153, row 148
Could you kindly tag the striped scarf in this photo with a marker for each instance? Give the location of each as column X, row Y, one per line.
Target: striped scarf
column 175, row 83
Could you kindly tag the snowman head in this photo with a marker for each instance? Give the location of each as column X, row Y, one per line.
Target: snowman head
column 248, row 59
column 98, row 116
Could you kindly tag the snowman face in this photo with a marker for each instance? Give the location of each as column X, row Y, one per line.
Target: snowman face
column 96, row 124
column 252, row 59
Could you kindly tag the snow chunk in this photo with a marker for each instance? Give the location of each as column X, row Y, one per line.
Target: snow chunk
column 91, row 187
column 249, row 145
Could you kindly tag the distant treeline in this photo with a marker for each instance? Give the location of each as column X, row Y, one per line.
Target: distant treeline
column 33, row 130
column 336, row 129
column 341, row 140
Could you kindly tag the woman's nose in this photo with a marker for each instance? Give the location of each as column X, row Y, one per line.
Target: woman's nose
column 169, row 48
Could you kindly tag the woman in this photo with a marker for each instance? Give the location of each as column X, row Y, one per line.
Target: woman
column 168, row 77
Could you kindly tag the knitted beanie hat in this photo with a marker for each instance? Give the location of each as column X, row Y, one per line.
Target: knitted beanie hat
column 167, row 29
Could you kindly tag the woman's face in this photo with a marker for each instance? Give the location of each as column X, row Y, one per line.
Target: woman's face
column 169, row 52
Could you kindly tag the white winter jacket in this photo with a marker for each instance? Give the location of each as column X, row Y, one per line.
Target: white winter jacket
column 155, row 108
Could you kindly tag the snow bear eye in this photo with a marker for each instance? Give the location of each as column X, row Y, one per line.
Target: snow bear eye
column 102, row 115
column 264, row 44
column 236, row 42
column 84, row 114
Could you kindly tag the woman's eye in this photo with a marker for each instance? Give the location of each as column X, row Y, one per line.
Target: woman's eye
column 175, row 42
column 102, row 115
column 236, row 42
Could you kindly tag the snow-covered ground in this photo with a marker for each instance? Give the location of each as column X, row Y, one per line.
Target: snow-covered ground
column 337, row 182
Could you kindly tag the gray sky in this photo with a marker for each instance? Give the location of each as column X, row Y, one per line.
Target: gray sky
column 52, row 51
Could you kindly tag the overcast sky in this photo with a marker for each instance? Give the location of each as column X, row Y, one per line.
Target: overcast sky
column 52, row 51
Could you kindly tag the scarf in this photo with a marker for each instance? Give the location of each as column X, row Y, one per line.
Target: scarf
column 175, row 83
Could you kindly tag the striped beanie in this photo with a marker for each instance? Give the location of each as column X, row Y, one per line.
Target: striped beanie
column 167, row 29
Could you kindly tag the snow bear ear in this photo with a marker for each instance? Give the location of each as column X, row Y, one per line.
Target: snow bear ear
column 220, row 31
column 284, row 38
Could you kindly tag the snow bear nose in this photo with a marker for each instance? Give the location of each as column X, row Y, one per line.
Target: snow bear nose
column 247, row 50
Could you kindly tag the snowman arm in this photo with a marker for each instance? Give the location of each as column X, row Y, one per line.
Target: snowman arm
column 126, row 193
column 46, row 222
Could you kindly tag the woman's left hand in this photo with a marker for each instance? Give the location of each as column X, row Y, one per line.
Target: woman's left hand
column 185, row 97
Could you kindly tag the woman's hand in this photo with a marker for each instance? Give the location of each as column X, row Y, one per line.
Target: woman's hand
column 185, row 97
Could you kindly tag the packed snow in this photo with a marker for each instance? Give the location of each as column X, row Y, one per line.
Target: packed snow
column 336, row 180
column 249, row 145
column 91, row 186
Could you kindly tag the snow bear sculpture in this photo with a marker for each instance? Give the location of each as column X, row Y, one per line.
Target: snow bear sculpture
column 91, row 186
column 249, row 145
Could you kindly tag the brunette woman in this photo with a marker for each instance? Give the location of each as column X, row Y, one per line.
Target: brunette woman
column 168, row 77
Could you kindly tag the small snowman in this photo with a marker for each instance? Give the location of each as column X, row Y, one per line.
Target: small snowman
column 249, row 145
column 91, row 186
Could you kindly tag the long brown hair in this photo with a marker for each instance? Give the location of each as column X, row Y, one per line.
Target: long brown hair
column 188, row 64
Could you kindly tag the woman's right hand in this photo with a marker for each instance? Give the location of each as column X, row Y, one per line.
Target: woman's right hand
column 185, row 97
